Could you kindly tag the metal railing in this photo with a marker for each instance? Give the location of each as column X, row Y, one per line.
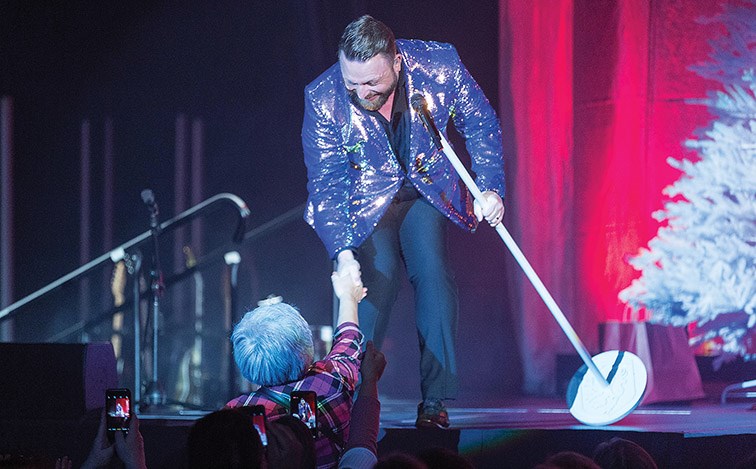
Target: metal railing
column 119, row 252
column 122, row 253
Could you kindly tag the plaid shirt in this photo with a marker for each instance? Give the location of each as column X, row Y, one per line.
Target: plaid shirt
column 333, row 379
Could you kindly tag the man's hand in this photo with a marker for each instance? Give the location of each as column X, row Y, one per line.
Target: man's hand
column 347, row 263
column 130, row 448
column 493, row 211
column 348, row 290
column 347, row 285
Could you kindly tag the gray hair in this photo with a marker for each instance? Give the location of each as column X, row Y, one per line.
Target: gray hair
column 272, row 345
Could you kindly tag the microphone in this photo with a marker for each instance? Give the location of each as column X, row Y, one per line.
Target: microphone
column 148, row 197
column 418, row 103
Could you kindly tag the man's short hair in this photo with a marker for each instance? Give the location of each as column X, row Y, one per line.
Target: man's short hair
column 272, row 345
column 366, row 37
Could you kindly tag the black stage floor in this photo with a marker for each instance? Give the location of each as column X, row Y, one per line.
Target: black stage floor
column 522, row 432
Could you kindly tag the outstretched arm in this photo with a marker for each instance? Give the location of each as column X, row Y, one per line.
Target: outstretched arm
column 327, row 172
column 349, row 290
column 346, row 262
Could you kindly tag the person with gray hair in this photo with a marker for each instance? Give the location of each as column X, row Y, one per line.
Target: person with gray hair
column 273, row 349
column 272, row 345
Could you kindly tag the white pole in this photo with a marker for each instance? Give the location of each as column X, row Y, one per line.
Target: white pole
column 525, row 265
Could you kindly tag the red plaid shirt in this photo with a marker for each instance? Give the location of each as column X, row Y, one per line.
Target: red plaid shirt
column 333, row 379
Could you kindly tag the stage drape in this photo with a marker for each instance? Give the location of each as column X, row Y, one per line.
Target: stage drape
column 541, row 176
column 597, row 90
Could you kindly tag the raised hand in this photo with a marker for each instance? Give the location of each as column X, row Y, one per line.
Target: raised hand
column 102, row 450
column 346, row 287
column 130, row 447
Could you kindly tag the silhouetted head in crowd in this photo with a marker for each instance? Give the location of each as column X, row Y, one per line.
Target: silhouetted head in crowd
column 443, row 458
column 568, row 460
column 225, row 439
column 290, row 444
column 400, row 461
column 272, row 345
column 748, row 463
column 619, row 453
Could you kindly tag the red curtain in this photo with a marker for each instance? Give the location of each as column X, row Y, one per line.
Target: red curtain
column 540, row 196
column 597, row 90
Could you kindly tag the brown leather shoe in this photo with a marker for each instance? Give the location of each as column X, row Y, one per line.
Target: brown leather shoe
column 432, row 415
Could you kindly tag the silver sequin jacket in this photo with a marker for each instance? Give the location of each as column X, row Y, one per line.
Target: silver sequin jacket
column 352, row 171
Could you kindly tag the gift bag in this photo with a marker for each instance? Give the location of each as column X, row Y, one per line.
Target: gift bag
column 671, row 366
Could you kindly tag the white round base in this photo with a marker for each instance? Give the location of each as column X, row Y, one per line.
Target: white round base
column 593, row 403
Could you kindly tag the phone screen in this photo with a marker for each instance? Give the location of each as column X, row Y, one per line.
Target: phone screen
column 258, row 420
column 303, row 406
column 117, row 410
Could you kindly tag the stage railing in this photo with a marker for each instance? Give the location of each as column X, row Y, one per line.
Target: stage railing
column 119, row 252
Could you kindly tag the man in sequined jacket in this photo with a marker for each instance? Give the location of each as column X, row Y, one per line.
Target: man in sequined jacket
column 380, row 191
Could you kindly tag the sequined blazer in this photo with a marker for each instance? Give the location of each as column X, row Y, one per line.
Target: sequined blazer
column 353, row 174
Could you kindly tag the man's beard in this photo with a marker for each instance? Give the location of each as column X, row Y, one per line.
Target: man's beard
column 377, row 103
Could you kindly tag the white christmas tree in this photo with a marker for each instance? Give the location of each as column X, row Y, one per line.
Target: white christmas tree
column 702, row 261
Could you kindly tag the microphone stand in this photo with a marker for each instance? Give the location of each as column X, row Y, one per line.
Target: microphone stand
column 134, row 267
column 592, row 398
column 154, row 394
column 232, row 259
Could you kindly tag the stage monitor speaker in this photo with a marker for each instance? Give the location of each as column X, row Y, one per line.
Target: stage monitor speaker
column 54, row 381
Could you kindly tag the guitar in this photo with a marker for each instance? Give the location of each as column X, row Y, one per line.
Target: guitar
column 190, row 383
column 117, row 289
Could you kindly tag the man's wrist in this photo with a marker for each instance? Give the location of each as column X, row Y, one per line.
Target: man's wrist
column 346, row 254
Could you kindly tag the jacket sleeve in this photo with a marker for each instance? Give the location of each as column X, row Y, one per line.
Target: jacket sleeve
column 344, row 358
column 476, row 120
column 327, row 172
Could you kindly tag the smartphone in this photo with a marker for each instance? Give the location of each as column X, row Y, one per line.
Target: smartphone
column 258, row 420
column 117, row 411
column 257, row 414
column 303, row 406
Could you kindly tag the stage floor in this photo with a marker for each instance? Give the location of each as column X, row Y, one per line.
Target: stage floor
column 522, row 432
column 695, row 419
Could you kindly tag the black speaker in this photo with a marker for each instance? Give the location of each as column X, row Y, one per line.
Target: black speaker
column 54, row 381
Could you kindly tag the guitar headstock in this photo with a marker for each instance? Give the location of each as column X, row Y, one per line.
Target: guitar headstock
column 189, row 258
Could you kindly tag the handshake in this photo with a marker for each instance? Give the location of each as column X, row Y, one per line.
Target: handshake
column 347, row 279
